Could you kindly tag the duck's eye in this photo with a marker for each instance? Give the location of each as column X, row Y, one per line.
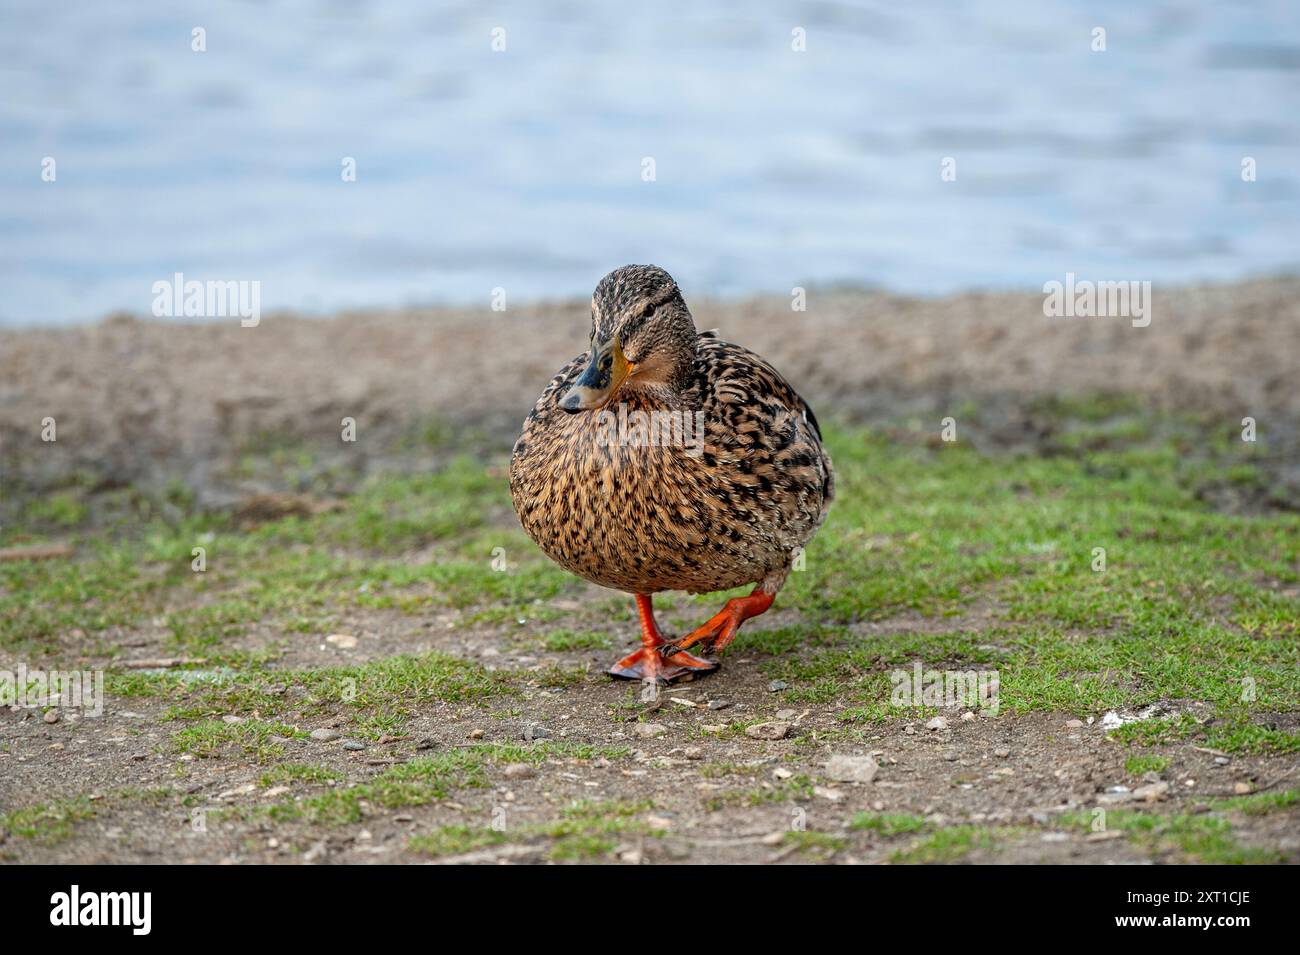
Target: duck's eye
column 606, row 363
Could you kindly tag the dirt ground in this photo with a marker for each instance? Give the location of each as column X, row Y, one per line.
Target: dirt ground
column 676, row 778
column 717, row 795
column 141, row 401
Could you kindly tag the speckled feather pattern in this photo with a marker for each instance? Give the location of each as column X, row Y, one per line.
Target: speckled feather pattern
column 643, row 519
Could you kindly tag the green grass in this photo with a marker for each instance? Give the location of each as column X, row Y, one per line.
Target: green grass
column 1184, row 837
column 564, row 641
column 282, row 773
column 215, row 738
column 1193, row 604
column 54, row 822
column 798, row 788
column 581, row 831
column 456, row 840
column 427, row 779
column 888, row 824
column 1261, row 804
column 49, row 823
column 818, row 843
column 950, row 844
column 376, row 697
column 931, row 844
column 1140, row 763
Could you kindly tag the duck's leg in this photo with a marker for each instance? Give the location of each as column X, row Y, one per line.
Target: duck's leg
column 649, row 663
column 721, row 629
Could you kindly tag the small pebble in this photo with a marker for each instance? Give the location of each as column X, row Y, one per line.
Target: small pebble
column 772, row 730
column 520, row 771
column 844, row 768
column 1152, row 792
column 1243, row 789
column 325, row 735
column 476, row 734
column 938, row 723
column 1002, row 752
column 719, row 704
column 52, row 716
column 353, row 745
column 650, row 730
column 776, row 686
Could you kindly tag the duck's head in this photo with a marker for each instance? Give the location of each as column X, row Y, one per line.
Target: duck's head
column 642, row 337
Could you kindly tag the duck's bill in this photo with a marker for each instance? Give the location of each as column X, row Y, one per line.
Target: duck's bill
column 600, row 381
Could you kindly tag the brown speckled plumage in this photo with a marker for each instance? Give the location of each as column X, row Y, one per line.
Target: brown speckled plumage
column 649, row 518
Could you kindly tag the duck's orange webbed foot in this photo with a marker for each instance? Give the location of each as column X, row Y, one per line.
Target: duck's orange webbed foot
column 650, row 663
column 721, row 629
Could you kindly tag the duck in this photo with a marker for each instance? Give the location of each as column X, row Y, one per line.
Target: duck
column 668, row 459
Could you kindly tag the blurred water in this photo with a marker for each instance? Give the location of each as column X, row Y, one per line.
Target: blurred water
column 522, row 169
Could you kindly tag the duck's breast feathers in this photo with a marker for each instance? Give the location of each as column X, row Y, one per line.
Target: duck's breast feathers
column 715, row 513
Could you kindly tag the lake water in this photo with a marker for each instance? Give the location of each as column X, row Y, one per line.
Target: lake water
column 524, row 169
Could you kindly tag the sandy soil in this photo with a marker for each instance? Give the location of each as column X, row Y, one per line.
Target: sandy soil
column 1012, row 776
column 139, row 401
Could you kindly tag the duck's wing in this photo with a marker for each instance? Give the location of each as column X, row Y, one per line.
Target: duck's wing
column 766, row 442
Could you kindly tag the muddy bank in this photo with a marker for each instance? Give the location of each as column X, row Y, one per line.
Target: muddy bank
column 143, row 402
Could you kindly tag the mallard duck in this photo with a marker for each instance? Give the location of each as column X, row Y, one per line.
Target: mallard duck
column 668, row 459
